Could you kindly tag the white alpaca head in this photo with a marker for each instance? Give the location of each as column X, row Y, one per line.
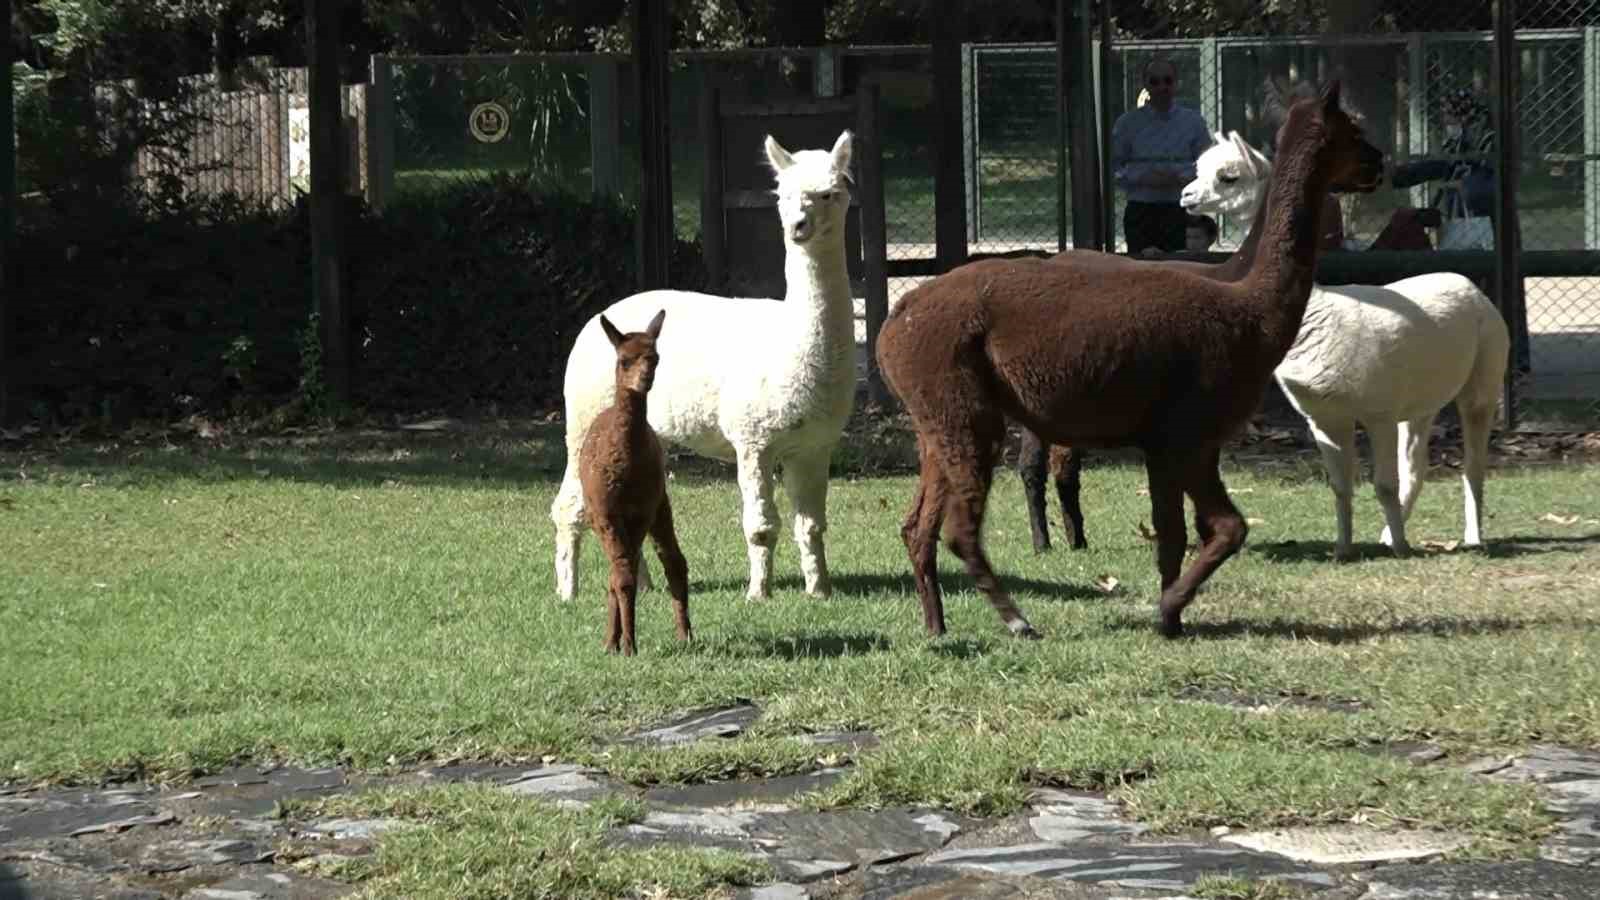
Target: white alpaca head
column 813, row 190
column 1228, row 177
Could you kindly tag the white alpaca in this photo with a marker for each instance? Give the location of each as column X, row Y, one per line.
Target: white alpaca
column 1389, row 357
column 759, row 382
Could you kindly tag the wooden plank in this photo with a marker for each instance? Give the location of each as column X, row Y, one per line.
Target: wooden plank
column 753, row 199
column 712, row 201
column 868, row 153
column 380, row 134
column 327, row 202
column 789, row 108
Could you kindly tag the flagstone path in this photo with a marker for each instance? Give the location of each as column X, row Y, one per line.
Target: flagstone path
column 219, row 837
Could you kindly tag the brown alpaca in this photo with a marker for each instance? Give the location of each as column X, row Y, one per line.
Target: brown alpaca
column 1089, row 353
column 1037, row 462
column 624, row 475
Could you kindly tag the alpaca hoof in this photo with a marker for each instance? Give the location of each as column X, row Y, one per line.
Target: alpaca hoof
column 1344, row 554
column 1041, row 545
column 1021, row 629
column 757, row 594
column 1170, row 627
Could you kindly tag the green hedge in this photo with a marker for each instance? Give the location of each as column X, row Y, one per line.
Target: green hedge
column 467, row 298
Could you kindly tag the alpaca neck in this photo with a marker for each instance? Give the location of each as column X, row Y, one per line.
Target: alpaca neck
column 816, row 280
column 817, row 292
column 631, row 405
column 1239, row 264
column 1286, row 258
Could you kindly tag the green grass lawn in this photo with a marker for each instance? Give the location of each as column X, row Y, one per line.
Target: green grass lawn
column 378, row 601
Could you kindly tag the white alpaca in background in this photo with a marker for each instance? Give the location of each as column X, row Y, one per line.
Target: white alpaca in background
column 1389, row 357
column 759, row 382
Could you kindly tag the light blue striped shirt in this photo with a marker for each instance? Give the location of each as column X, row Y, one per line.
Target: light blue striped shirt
column 1143, row 139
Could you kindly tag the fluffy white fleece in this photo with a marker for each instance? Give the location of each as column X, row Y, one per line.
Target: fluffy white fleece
column 1388, row 357
column 759, row 382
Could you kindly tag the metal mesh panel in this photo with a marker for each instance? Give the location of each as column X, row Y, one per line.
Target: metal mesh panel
column 1011, row 124
column 1558, row 117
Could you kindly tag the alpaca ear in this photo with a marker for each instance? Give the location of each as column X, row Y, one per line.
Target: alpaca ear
column 612, row 333
column 1330, row 97
column 654, row 328
column 1242, row 148
column 777, row 156
column 841, row 152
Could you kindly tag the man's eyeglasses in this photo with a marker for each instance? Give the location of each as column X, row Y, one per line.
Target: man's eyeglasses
column 1159, row 80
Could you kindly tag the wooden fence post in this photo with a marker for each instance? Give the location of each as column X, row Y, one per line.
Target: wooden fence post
column 327, row 195
column 9, row 410
column 949, row 184
column 868, row 153
column 651, row 33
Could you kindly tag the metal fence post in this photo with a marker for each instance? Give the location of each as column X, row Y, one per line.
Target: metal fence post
column 969, row 139
column 1508, row 229
column 1211, row 82
column 1417, row 106
column 1591, row 137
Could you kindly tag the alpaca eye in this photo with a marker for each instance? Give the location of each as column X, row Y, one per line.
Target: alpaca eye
column 1227, row 179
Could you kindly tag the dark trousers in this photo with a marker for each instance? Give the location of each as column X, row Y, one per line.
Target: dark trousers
column 1158, row 225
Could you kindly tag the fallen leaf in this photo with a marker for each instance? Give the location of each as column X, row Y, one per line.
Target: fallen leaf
column 883, row 502
column 1559, row 520
column 1106, row 584
column 1254, row 521
column 1145, row 532
column 1442, row 546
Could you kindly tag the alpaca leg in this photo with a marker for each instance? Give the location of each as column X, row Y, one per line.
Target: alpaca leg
column 1337, row 441
column 760, row 519
column 920, row 532
column 1066, row 464
column 967, row 457
column 1031, row 456
column 1227, row 529
column 1202, row 525
column 1413, row 448
column 1166, row 515
column 626, row 588
column 805, row 480
column 675, row 567
column 567, row 513
column 623, row 555
column 1385, row 437
column 1475, row 425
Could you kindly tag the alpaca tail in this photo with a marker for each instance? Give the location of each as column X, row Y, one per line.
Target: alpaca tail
column 1485, row 383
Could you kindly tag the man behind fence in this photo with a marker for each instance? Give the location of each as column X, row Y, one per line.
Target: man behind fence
column 1153, row 149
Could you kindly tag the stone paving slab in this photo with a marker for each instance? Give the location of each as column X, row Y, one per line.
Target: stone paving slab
column 1570, row 780
column 1345, row 844
column 1173, row 866
column 698, row 725
column 756, row 791
column 1481, row 881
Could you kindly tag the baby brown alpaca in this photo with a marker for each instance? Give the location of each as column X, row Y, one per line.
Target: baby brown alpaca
column 624, row 476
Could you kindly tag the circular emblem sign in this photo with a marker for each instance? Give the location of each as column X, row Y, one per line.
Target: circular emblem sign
column 489, row 122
